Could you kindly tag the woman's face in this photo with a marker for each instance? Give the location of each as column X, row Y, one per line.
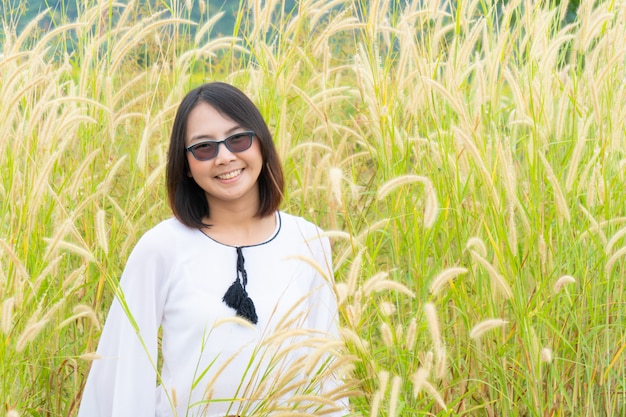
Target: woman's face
column 229, row 177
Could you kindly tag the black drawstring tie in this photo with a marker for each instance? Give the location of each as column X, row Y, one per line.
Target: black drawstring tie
column 237, row 297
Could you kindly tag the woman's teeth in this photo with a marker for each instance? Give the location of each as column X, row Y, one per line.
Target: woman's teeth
column 229, row 175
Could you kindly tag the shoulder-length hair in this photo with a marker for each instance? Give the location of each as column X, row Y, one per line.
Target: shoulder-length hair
column 187, row 200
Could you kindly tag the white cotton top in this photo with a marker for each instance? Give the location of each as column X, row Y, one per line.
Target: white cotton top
column 212, row 366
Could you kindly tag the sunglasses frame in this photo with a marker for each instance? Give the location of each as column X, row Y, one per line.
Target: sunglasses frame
column 219, row 142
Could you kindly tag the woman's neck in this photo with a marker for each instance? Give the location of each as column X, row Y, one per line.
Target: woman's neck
column 239, row 227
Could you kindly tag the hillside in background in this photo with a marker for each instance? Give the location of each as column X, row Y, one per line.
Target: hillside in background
column 19, row 13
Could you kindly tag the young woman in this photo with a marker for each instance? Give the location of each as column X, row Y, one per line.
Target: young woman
column 239, row 293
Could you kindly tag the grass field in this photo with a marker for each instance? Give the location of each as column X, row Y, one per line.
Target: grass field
column 468, row 162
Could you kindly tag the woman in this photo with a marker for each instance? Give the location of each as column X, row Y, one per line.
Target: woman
column 240, row 291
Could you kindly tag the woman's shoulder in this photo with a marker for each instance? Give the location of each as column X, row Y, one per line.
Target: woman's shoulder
column 165, row 236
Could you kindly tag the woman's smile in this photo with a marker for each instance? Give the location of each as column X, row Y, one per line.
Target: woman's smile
column 230, row 175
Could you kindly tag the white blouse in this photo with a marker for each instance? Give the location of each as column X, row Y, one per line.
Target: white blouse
column 212, row 365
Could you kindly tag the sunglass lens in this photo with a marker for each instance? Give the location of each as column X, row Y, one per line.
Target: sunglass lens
column 239, row 142
column 204, row 151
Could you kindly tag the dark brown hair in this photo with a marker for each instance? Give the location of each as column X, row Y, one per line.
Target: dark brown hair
column 186, row 198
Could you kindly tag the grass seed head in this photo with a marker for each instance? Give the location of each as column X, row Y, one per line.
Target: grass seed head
column 7, row 315
column 484, row 326
column 444, row 277
column 546, row 355
column 386, row 334
column 562, row 281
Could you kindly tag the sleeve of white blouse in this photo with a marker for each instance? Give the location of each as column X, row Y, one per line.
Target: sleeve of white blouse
column 324, row 314
column 122, row 381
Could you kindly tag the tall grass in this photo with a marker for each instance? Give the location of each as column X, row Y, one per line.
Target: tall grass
column 467, row 161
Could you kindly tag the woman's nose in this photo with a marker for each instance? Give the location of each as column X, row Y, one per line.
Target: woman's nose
column 224, row 155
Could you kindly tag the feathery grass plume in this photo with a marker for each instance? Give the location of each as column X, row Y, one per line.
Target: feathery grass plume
column 477, row 245
column 354, row 313
column 335, row 176
column 375, row 405
column 432, row 391
column 386, row 334
column 355, row 271
column 36, row 323
column 75, row 279
column 430, row 205
column 411, row 335
column 73, row 248
column 435, row 334
column 60, row 232
column 394, row 396
column 7, row 315
column 90, row 356
column 343, row 291
column 21, row 273
column 497, row 279
column 418, row 378
column 484, row 326
column 561, row 203
column 546, row 355
column 387, row 309
column 383, row 381
column 444, row 277
column 614, row 258
column 614, row 239
column 233, row 320
column 79, row 312
column 326, row 348
column 378, row 283
column 29, row 333
column 596, row 192
column 433, row 326
column 562, row 281
column 101, row 231
column 351, row 336
column 473, row 150
column 572, row 173
column 12, row 413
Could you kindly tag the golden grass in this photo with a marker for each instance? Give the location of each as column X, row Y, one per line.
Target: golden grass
column 466, row 161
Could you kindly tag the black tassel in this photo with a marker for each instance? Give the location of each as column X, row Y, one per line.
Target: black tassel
column 247, row 311
column 236, row 296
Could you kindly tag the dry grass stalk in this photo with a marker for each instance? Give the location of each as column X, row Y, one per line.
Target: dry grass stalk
column 7, row 315
column 394, row 396
column 411, row 335
column 562, row 281
column 378, row 283
column 484, row 326
column 561, row 202
column 496, row 279
column 435, row 334
column 386, row 334
column 546, row 355
column 444, row 277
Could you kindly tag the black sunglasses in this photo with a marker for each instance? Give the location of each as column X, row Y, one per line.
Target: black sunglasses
column 208, row 149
